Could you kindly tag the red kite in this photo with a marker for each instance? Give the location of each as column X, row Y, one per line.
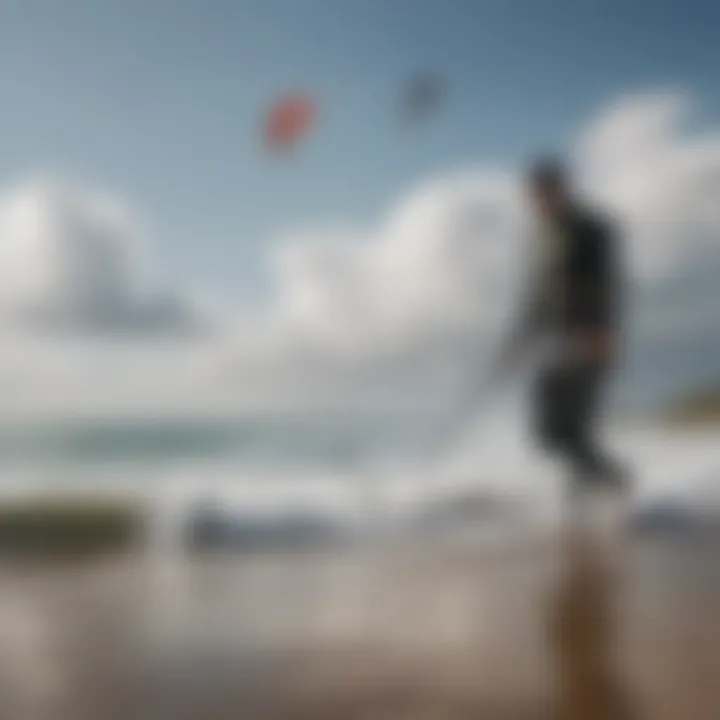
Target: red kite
column 288, row 121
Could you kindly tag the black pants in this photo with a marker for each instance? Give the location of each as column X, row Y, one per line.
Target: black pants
column 566, row 405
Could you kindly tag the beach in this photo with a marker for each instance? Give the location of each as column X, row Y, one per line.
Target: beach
column 524, row 628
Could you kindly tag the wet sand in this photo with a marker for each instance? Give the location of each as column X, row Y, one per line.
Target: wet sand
column 526, row 629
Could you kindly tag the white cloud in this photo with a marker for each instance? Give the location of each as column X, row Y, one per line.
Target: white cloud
column 392, row 315
column 71, row 263
column 386, row 318
column 661, row 179
column 430, row 266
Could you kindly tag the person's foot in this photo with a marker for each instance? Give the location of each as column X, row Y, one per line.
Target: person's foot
column 617, row 479
column 611, row 480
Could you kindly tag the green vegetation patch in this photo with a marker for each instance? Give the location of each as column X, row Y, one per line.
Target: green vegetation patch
column 701, row 407
column 49, row 527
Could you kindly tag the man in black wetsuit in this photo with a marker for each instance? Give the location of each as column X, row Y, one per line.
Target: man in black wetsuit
column 571, row 312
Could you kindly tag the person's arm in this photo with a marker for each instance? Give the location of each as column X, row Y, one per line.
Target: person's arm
column 527, row 321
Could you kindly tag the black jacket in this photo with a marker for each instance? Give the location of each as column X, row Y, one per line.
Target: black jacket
column 588, row 273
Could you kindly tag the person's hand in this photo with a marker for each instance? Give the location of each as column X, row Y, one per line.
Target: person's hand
column 595, row 347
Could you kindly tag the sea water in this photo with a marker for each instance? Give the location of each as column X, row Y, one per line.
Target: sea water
column 275, row 472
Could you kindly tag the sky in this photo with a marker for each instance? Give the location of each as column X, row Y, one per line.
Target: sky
column 159, row 103
column 137, row 200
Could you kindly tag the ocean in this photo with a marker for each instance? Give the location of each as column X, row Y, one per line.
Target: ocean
column 274, row 474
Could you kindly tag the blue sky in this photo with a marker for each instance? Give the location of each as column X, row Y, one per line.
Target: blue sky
column 158, row 101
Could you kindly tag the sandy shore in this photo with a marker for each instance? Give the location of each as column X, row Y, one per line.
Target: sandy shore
column 442, row 630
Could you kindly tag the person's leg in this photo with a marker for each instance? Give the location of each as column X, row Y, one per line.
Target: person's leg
column 581, row 401
column 565, row 409
column 547, row 394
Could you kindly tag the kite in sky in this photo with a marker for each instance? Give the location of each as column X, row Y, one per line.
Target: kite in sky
column 288, row 121
column 422, row 96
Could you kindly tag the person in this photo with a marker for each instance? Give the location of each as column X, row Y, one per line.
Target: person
column 571, row 311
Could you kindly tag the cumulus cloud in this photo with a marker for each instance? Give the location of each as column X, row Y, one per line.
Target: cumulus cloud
column 428, row 267
column 391, row 315
column 71, row 262
column 662, row 179
column 396, row 317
